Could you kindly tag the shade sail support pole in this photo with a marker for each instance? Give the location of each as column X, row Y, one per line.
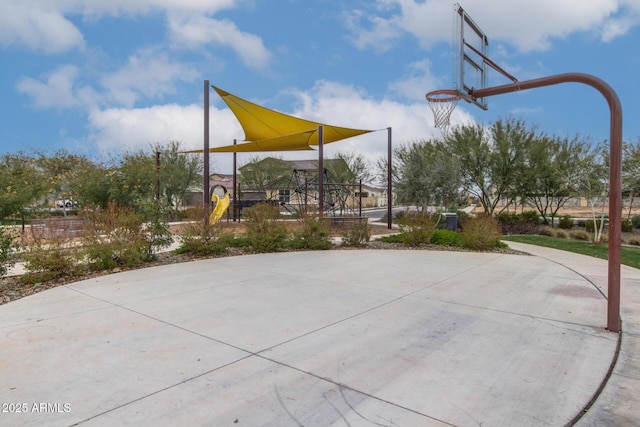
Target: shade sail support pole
column 205, row 180
column 389, row 180
column 235, row 183
column 320, row 170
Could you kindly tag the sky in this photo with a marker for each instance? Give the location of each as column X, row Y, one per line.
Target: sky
column 105, row 77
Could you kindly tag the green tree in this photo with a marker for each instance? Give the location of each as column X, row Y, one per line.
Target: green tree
column 488, row 159
column 349, row 168
column 133, row 180
column 74, row 177
column 264, row 174
column 631, row 172
column 22, row 184
column 551, row 172
column 593, row 183
column 427, row 175
column 179, row 172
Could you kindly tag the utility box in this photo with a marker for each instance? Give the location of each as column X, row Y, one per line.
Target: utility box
column 451, row 221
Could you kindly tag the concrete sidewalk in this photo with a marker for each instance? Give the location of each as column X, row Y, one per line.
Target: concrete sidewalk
column 342, row 337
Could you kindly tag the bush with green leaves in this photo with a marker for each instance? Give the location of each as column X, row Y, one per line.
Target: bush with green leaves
column 626, row 225
column 566, row 222
column 417, row 228
column 117, row 236
column 312, row 234
column 590, row 225
column 201, row 238
column 532, row 217
column 356, row 234
column 635, row 220
column 481, row 233
column 8, row 248
column 265, row 232
column 51, row 258
column 443, row 237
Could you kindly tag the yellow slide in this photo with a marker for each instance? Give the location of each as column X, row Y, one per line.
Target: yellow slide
column 220, row 209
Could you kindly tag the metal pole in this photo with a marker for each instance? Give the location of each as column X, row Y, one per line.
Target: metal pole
column 235, row 183
column 158, row 179
column 615, row 172
column 320, row 171
column 389, row 180
column 360, row 201
column 206, row 199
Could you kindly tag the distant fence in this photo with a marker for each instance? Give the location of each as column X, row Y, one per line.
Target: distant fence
column 48, row 228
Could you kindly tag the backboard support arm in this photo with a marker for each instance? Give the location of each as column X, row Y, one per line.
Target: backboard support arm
column 615, row 172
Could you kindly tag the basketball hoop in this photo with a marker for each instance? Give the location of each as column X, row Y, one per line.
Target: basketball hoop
column 442, row 103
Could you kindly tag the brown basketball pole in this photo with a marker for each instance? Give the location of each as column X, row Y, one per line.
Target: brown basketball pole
column 615, row 172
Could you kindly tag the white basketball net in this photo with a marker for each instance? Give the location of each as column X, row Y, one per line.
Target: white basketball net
column 442, row 104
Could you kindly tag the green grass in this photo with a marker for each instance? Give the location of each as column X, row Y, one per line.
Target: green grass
column 628, row 256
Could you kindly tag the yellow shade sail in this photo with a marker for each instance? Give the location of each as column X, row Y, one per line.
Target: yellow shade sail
column 293, row 142
column 268, row 130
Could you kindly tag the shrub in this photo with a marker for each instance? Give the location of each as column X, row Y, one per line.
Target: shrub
column 8, row 247
column 626, row 226
column 356, row 234
column 463, row 217
column 562, row 234
column 264, row 232
column 203, row 239
column 524, row 223
column 447, row 238
column 635, row 221
column 117, row 236
column 312, row 234
column 547, row 231
column 417, row 228
column 532, row 217
column 511, row 228
column 566, row 222
column 591, row 225
column 634, row 240
column 391, row 238
column 481, row 233
column 50, row 259
column 580, row 235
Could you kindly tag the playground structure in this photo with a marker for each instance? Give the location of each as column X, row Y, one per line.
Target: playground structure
column 470, row 84
column 220, row 207
column 300, row 191
column 270, row 131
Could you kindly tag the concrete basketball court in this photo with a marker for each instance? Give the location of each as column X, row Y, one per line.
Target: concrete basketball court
column 332, row 338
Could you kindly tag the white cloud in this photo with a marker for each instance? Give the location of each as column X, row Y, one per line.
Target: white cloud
column 195, row 31
column 415, row 83
column 379, row 36
column 44, row 25
column 120, row 129
column 59, row 90
column 528, row 26
column 40, row 27
column 137, row 7
column 148, row 73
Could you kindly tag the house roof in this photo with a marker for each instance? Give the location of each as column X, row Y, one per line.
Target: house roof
column 269, row 130
column 301, row 165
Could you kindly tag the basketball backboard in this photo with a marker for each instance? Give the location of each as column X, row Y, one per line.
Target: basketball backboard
column 471, row 46
column 471, row 58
